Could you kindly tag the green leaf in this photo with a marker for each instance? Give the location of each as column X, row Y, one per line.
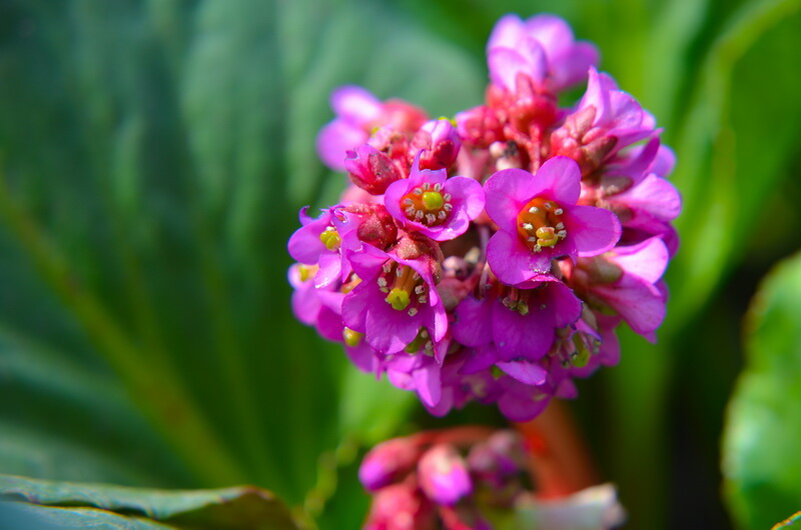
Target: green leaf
column 243, row 507
column 730, row 162
column 730, row 159
column 761, row 460
column 154, row 157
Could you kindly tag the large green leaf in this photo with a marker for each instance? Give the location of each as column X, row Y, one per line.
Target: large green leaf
column 761, row 461
column 154, row 156
column 243, row 507
column 730, row 161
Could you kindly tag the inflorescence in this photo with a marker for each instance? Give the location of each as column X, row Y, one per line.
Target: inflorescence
column 491, row 257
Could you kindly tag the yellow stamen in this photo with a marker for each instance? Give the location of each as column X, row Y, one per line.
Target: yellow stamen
column 546, row 236
column 581, row 356
column 330, row 238
column 352, row 338
column 306, row 272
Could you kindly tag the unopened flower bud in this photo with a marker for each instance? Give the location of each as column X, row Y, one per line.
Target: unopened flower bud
column 438, row 143
column 377, row 227
column 388, row 462
column 370, row 169
column 443, row 475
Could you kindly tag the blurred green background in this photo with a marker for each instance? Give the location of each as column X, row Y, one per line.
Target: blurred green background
column 154, row 154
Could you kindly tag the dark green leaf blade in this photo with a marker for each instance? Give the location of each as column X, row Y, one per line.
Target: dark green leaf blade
column 241, row 507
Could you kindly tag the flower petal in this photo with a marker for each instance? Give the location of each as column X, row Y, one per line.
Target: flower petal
column 593, row 230
column 335, row 139
column 562, row 177
column 428, row 384
column 512, row 262
column 515, row 335
column 355, row 104
column 507, row 192
column 646, row 260
column 525, row 372
column 472, row 324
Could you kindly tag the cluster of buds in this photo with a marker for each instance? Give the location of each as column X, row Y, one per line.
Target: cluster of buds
column 491, row 257
column 457, row 479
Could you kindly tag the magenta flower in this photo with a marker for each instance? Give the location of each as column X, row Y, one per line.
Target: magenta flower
column 521, row 325
column 627, row 280
column 434, row 205
column 396, row 299
column 358, row 112
column 541, row 48
column 322, row 242
column 616, row 113
column 538, row 220
column 605, row 121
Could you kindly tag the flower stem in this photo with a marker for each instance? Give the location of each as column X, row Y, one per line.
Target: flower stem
column 559, row 459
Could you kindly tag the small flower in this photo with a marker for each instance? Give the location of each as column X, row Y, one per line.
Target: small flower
column 395, row 299
column 520, row 323
column 605, row 121
column 322, row 242
column 434, row 205
column 541, row 48
column 627, row 280
column 538, row 220
column 358, row 112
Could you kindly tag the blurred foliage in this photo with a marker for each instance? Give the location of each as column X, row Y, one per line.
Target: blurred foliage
column 154, row 155
column 762, row 463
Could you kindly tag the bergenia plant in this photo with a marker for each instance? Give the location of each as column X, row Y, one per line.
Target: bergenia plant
column 491, row 257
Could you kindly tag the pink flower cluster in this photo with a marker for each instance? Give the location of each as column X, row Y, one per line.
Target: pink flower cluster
column 491, row 257
column 444, row 479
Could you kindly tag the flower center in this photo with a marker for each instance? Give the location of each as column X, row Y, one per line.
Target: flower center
column 407, row 288
column 540, row 224
column 426, row 204
column 330, row 238
column 516, row 300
